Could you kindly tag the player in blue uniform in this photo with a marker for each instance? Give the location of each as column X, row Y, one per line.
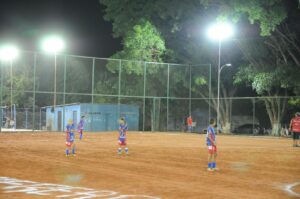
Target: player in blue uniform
column 70, row 138
column 211, row 144
column 122, row 136
column 80, row 127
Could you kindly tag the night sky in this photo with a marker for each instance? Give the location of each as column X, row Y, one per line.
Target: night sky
column 80, row 22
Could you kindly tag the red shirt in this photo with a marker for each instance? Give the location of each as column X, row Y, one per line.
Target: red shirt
column 295, row 124
column 190, row 121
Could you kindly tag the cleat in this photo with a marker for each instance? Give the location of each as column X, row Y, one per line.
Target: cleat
column 210, row 169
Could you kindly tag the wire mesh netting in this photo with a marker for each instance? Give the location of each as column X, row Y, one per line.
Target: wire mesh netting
column 42, row 92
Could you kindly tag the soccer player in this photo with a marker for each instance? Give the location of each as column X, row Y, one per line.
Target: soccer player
column 80, row 127
column 295, row 129
column 211, row 144
column 122, row 136
column 70, row 138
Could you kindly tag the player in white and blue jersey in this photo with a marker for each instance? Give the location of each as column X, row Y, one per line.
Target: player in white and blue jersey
column 70, row 138
column 80, row 127
column 212, row 146
column 122, row 136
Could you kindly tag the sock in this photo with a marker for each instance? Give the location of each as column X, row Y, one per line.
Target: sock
column 67, row 151
column 119, row 150
column 73, row 151
column 213, row 165
column 80, row 137
column 126, row 150
column 209, row 165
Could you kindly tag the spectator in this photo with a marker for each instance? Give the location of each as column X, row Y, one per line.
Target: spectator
column 189, row 122
column 295, row 128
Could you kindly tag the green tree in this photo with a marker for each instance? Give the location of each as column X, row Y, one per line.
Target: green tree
column 272, row 60
column 271, row 72
column 178, row 22
column 268, row 14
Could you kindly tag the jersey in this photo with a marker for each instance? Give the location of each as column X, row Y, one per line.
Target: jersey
column 70, row 133
column 210, row 130
column 80, row 125
column 122, row 130
column 295, row 124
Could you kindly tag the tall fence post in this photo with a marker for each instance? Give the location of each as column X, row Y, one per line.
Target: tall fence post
column 190, row 90
column 1, row 121
column 209, row 94
column 93, row 79
column 64, row 95
column 144, row 97
column 119, row 88
column 168, row 93
column 33, row 100
column 253, row 112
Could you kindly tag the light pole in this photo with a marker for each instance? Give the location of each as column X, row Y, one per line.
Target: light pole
column 219, row 32
column 53, row 45
column 9, row 53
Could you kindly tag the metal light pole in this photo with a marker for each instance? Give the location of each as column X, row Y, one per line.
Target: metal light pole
column 53, row 45
column 219, row 74
column 220, row 32
column 54, row 100
column 11, row 93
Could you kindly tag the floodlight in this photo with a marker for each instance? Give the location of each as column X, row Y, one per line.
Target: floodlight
column 220, row 31
column 53, row 44
column 8, row 52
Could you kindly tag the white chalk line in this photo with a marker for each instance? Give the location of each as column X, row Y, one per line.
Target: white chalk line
column 61, row 191
column 289, row 188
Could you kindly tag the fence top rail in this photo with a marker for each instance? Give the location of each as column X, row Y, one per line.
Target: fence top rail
column 113, row 59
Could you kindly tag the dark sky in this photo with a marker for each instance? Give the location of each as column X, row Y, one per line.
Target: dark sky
column 80, row 22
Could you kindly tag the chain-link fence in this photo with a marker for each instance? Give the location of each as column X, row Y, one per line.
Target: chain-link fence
column 42, row 92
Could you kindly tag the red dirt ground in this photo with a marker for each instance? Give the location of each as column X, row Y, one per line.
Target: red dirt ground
column 164, row 165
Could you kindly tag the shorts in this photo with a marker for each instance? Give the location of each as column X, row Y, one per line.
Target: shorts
column 69, row 144
column 296, row 135
column 80, row 130
column 122, row 141
column 212, row 149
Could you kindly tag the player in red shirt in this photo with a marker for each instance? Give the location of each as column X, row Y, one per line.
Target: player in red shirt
column 295, row 128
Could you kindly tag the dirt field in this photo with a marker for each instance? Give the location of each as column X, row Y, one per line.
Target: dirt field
column 160, row 165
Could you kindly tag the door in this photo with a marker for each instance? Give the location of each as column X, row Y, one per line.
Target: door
column 59, row 123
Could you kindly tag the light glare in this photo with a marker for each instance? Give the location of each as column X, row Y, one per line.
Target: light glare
column 8, row 52
column 220, row 31
column 53, row 44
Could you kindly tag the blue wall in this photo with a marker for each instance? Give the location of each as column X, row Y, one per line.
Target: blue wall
column 99, row 117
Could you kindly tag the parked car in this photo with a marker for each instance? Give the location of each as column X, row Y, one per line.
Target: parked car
column 248, row 129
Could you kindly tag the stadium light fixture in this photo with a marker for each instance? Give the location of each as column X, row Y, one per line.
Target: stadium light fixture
column 53, row 45
column 9, row 53
column 219, row 32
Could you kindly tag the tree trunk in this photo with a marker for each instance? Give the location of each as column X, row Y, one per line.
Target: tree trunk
column 276, row 127
column 227, row 127
column 275, row 108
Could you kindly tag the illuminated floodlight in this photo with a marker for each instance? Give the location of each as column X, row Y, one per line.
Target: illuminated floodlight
column 53, row 44
column 8, row 52
column 220, row 31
